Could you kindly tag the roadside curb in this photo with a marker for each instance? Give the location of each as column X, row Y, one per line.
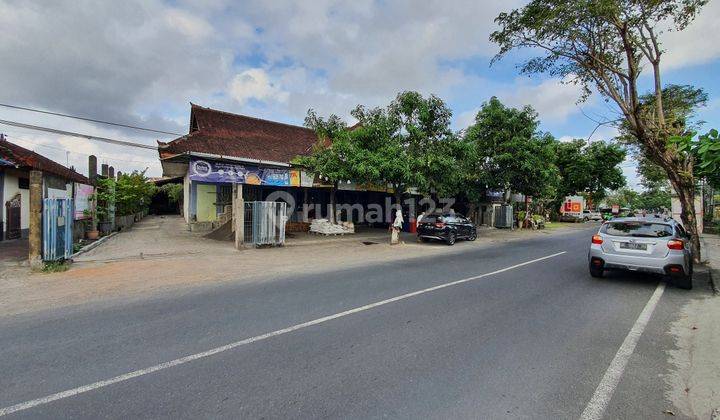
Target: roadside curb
column 714, row 280
column 93, row 245
column 713, row 270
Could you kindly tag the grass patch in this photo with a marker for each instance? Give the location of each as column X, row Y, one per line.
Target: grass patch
column 55, row 266
column 557, row 225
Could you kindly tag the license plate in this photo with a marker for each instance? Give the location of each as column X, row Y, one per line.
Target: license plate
column 630, row 245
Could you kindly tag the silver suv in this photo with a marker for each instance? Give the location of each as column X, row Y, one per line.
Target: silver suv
column 650, row 244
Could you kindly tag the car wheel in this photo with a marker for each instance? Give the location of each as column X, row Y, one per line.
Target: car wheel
column 596, row 272
column 424, row 239
column 473, row 235
column 451, row 238
column 684, row 281
column 586, row 220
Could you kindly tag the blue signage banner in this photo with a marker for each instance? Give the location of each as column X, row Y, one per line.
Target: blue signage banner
column 223, row 172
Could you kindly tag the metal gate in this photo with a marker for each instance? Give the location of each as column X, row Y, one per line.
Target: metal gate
column 57, row 228
column 504, row 216
column 265, row 222
column 12, row 211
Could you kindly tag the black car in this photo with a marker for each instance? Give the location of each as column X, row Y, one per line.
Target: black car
column 446, row 227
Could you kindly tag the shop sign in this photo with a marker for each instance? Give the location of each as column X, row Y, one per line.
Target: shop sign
column 83, row 193
column 306, row 179
column 573, row 205
column 223, row 172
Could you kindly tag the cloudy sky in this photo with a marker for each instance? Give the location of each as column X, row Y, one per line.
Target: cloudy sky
column 142, row 62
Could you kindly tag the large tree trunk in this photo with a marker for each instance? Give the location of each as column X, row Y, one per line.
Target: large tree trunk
column 472, row 212
column 686, row 195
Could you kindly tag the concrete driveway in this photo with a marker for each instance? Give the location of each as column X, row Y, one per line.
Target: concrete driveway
column 153, row 237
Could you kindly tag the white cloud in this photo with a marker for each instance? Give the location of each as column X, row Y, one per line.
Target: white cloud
column 141, row 61
column 372, row 50
column 697, row 44
column 552, row 99
column 255, row 84
column 192, row 26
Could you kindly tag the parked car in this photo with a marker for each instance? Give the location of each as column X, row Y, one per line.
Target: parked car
column 648, row 244
column 446, row 227
column 588, row 215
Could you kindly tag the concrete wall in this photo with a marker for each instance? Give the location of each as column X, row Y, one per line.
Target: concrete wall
column 186, row 198
column 10, row 189
column 677, row 210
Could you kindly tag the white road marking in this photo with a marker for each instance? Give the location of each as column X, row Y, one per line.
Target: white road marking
column 604, row 391
column 130, row 375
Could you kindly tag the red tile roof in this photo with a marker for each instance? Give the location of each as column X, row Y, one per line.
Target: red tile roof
column 28, row 159
column 222, row 133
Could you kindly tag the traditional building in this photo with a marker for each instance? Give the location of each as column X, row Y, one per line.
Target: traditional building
column 223, row 148
column 15, row 165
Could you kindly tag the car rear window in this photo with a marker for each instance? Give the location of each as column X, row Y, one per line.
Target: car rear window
column 638, row 229
column 428, row 219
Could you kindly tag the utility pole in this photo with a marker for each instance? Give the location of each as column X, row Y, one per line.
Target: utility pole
column 35, row 237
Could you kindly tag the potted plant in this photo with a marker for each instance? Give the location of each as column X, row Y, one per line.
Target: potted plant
column 104, row 200
column 92, row 232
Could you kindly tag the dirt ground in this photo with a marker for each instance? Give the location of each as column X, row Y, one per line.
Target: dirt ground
column 160, row 254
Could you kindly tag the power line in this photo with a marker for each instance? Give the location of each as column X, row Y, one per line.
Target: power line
column 74, row 134
column 105, row 157
column 89, row 119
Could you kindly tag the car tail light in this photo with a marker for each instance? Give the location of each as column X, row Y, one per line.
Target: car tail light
column 676, row 244
column 597, row 239
column 675, row 269
column 440, row 224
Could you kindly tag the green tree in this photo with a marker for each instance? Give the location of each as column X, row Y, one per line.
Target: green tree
column 333, row 156
column 174, row 192
column 624, row 197
column 382, row 151
column 605, row 172
column 133, row 193
column 437, row 154
column 704, row 151
column 511, row 152
column 601, row 45
column 680, row 105
column 591, row 169
column 574, row 168
column 654, row 200
column 405, row 144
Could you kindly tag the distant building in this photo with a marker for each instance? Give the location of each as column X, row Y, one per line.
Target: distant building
column 677, row 210
column 15, row 165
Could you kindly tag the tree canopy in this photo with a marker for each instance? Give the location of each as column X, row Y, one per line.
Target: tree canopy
column 408, row 143
column 511, row 153
column 602, row 45
column 592, row 168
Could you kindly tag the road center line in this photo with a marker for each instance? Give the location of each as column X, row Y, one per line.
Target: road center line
column 604, row 391
column 176, row 362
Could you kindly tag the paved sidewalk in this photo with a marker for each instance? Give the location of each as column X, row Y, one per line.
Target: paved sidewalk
column 710, row 252
column 696, row 384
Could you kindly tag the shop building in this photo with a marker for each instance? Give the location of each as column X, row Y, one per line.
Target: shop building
column 222, row 149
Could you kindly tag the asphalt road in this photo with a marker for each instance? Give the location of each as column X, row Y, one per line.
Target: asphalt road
column 527, row 340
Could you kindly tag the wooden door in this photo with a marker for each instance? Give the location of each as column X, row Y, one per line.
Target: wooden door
column 12, row 218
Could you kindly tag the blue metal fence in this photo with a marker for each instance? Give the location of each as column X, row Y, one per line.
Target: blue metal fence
column 57, row 228
column 265, row 222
